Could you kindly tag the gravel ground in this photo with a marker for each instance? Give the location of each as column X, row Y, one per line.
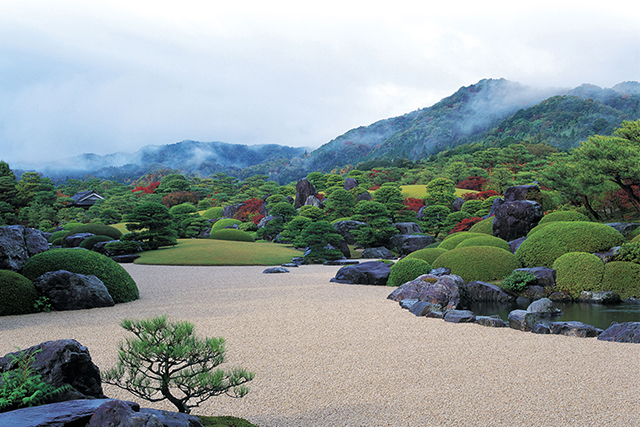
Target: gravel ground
column 326, row 354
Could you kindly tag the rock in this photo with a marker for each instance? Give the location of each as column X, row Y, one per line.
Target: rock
column 290, row 265
column 625, row 228
column 350, row 184
column 231, row 210
column 426, row 309
column 492, row 321
column 74, row 240
column 440, row 271
column 100, row 247
column 481, row 291
column 574, row 329
column 522, row 320
column 606, row 297
column 344, row 228
column 365, row 273
column 545, row 277
column 17, row 244
column 514, row 219
column 522, row 301
column 344, row 248
column 377, row 253
column 232, row 226
column 364, row 196
column 459, row 316
column 125, row 259
column 560, row 297
column 408, row 303
column 264, row 221
column 173, row 419
column 304, row 189
column 521, row 192
column 608, row 256
column 64, row 362
column 342, row 262
column 60, row 414
column 457, row 204
column 404, row 244
column 443, row 290
column 71, row 291
column 534, row 292
column 314, row 201
column 544, row 307
column 622, row 332
column 541, row 329
column 515, row 244
column 407, row 227
column 420, row 213
column 298, row 260
column 118, row 413
column 273, row 270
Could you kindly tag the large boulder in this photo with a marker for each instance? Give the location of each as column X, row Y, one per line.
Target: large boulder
column 459, row 316
column 377, row 253
column 407, row 227
column 365, row 273
column 545, row 277
column 404, row 244
column 477, row 291
column 71, row 291
column 574, row 329
column 63, row 362
column 17, row 244
column 231, row 210
column 74, row 240
column 625, row 228
column 493, row 321
column 425, row 309
column 60, row 414
column 521, row 192
column 443, row 290
column 304, row 189
column 364, row 196
column 314, row 201
column 350, row 184
column 344, row 228
column 622, row 332
column 601, row 297
column 523, row 320
column 516, row 218
column 118, row 413
column 544, row 307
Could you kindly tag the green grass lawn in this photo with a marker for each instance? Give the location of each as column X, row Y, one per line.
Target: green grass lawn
column 120, row 226
column 219, row 252
column 418, row 191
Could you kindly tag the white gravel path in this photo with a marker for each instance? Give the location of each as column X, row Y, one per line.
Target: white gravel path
column 327, row 354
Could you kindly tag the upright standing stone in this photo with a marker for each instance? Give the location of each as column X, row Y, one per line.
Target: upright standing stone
column 304, row 189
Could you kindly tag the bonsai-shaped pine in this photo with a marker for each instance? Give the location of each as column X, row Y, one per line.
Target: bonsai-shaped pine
column 155, row 224
column 166, row 361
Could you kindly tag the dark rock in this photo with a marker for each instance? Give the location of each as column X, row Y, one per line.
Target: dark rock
column 521, row 192
column 35, row 241
column 608, row 256
column 63, row 362
column 443, row 290
column 298, row 260
column 426, row 309
column 74, row 240
column 459, row 316
column 481, row 291
column 125, row 259
column 404, row 244
column 625, row 228
column 606, row 297
column 173, row 419
column 496, row 203
column 420, row 213
column 71, row 291
column 544, row 307
column 522, row 301
column 560, row 297
column 440, row 271
column 573, row 329
column 534, row 292
column 541, row 329
column 522, row 320
column 364, row 196
column 290, row 265
column 365, row 273
column 344, row 248
column 17, row 244
column 457, row 204
column 264, row 221
column 492, row 321
column 545, row 277
column 350, row 184
column 231, row 210
column 72, row 413
column 515, row 244
column 407, row 227
column 304, row 189
column 232, row 226
column 408, row 303
column 377, row 253
column 314, row 201
column 118, row 413
column 273, row 270
column 344, row 228
column 622, row 332
column 342, row 262
column 516, row 218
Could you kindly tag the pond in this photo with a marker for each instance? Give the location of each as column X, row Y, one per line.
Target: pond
column 597, row 315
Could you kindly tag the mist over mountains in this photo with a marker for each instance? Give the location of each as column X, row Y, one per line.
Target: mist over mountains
column 490, row 112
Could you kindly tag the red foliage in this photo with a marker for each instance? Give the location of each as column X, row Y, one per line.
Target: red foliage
column 319, row 196
column 250, row 209
column 472, row 183
column 178, row 197
column 149, row 189
column 465, row 224
column 413, row 204
column 256, row 219
column 482, row 195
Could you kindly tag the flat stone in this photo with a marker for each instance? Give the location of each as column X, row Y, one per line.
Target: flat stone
column 60, row 414
column 423, row 308
column 377, row 253
column 125, row 259
column 365, row 273
column 408, row 303
column 342, row 262
column 290, row 265
column 273, row 270
column 459, row 316
column 574, row 329
column 493, row 321
column 604, row 297
column 622, row 332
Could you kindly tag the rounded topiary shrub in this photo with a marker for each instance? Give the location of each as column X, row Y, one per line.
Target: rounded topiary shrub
column 97, row 229
column 485, row 241
column 554, row 239
column 119, row 283
column 231, row 234
column 577, row 272
column 623, row 278
column 451, row 241
column 563, row 216
column 427, row 254
column 212, row 213
column 58, row 235
column 225, row 222
column 635, row 239
column 89, row 242
column 485, row 263
column 17, row 294
column 485, row 226
column 406, row 270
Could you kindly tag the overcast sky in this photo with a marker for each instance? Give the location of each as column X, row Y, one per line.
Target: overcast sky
column 111, row 75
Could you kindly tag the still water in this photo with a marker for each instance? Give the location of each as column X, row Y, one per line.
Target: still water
column 597, row 315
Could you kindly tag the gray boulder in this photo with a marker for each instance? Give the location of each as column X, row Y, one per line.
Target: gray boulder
column 442, row 290
column 314, row 201
column 377, row 253
column 523, row 320
column 71, row 291
column 231, row 210
column 274, row 270
column 604, row 297
column 482, row 291
column 407, row 227
column 514, row 219
column 350, row 184
column 17, row 244
column 118, row 413
column 365, row 273
column 364, row 196
column 404, row 244
column 459, row 316
column 521, row 192
column 625, row 228
column 457, row 204
column 304, row 189
column 515, row 244
column 408, row 303
column 560, row 297
column 534, row 292
column 545, row 277
column 541, row 329
column 493, row 321
column 344, row 228
column 35, row 241
column 608, row 256
column 440, row 271
column 74, row 240
column 622, row 332
column 60, row 414
column 341, row 262
column 574, row 329
column 544, row 307
column 426, row 309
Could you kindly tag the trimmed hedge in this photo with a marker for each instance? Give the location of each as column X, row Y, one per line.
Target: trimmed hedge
column 212, row 213
column 231, row 234
column 427, row 254
column 623, row 278
column 485, row 226
column 484, row 263
column 577, row 272
column 17, row 294
column 451, row 241
column 119, row 283
column 225, row 222
column 564, row 216
column 485, row 241
column 57, row 235
column 89, row 242
column 97, row 229
column 406, row 270
column 554, row 239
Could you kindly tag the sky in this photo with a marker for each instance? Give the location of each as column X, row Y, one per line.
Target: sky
column 105, row 76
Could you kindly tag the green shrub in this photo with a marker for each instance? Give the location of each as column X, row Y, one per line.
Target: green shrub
column 472, row 207
column 557, row 238
column 629, row 252
column 517, row 281
column 231, row 234
column 485, row 241
column 577, row 272
column 451, row 241
column 212, row 213
column 623, row 278
column 97, row 229
column 225, row 222
column 485, row 226
column 406, row 270
column 57, row 235
column 118, row 282
column 485, row 263
column 57, row 242
column 89, row 242
column 122, row 247
column 17, row 294
column 563, row 216
column 636, row 238
column 427, row 254
column 539, row 227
